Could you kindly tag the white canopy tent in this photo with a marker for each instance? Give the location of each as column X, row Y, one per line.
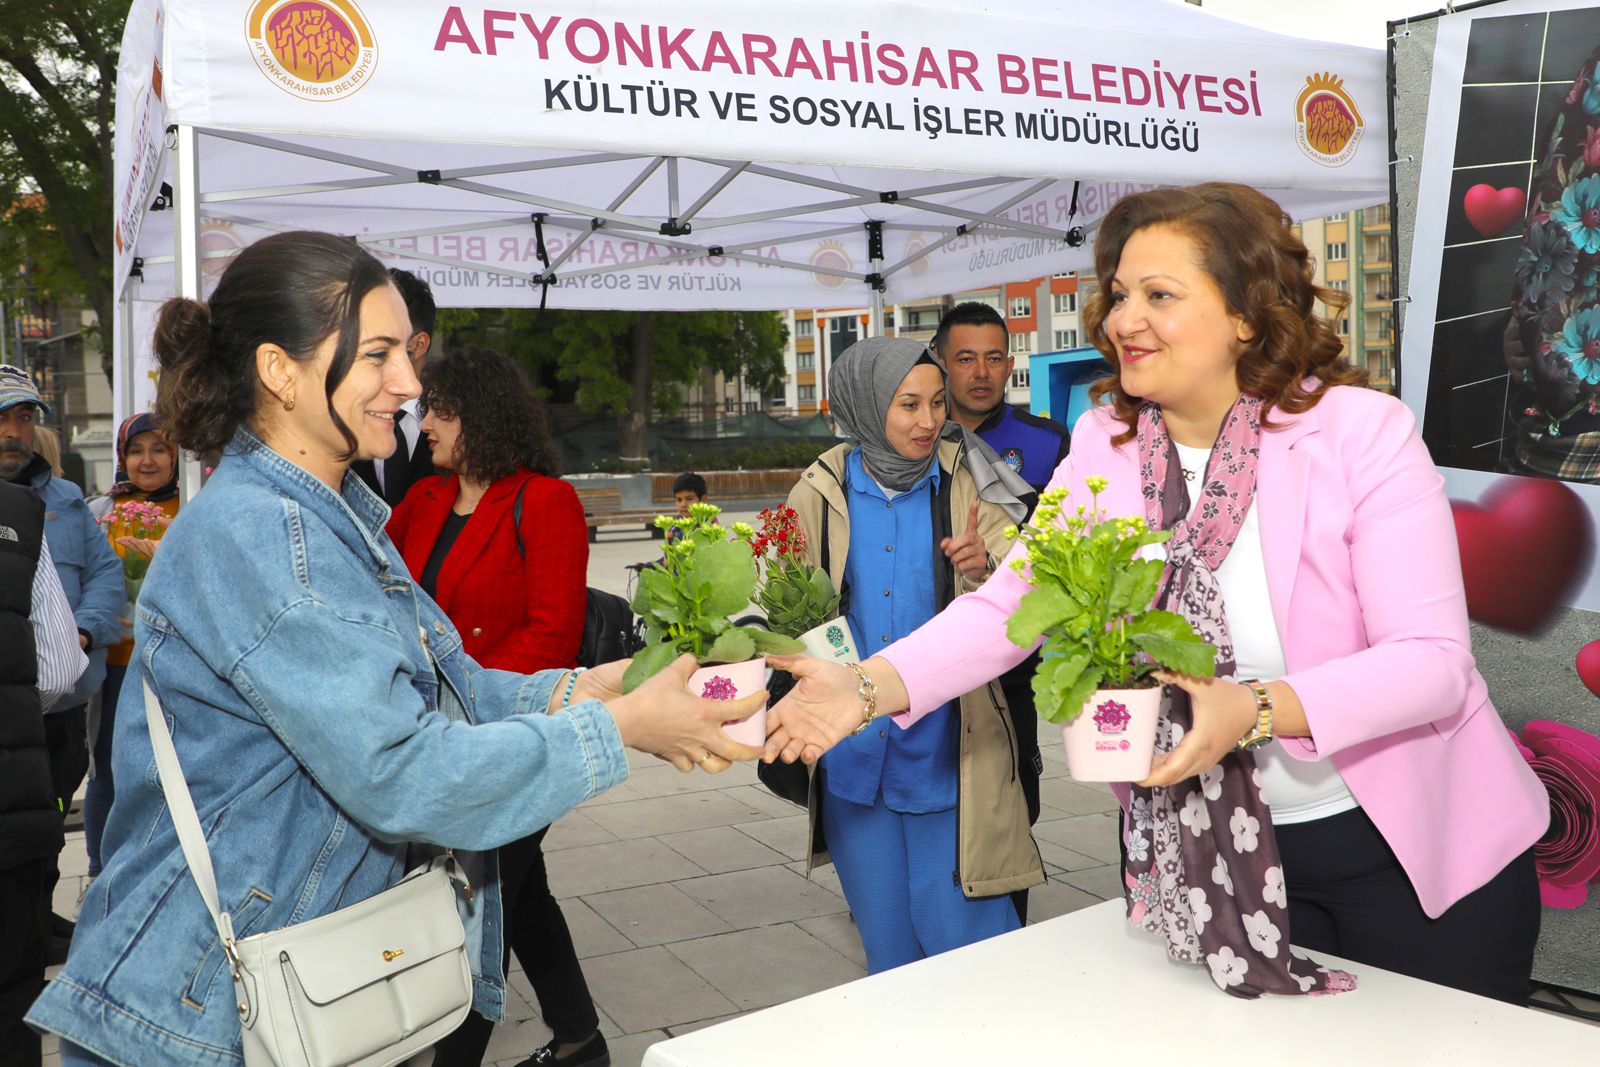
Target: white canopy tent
column 628, row 154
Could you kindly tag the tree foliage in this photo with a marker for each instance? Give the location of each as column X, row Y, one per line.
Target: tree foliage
column 58, row 71
column 629, row 363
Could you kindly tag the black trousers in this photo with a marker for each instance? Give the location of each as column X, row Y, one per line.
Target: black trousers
column 1349, row 896
column 538, row 932
column 66, row 736
column 24, row 937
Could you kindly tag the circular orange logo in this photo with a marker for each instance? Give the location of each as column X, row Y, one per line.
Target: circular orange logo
column 1327, row 124
column 831, row 255
column 313, row 49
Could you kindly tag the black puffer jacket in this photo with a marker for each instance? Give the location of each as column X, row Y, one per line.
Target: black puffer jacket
column 30, row 826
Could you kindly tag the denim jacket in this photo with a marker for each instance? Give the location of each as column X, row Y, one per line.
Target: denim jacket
column 300, row 671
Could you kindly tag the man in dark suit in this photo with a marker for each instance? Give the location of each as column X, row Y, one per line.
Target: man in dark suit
column 392, row 478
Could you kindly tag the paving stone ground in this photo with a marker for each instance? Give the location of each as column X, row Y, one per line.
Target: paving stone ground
column 686, row 894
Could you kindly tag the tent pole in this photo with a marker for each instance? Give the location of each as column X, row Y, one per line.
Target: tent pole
column 184, row 141
column 125, row 365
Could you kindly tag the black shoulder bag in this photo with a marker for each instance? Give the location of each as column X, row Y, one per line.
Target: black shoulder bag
column 610, row 631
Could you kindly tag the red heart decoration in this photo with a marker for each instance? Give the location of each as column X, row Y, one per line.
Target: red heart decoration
column 1522, row 547
column 1589, row 666
column 1492, row 210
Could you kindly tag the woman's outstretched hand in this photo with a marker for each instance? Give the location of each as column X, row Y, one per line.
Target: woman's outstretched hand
column 824, row 706
column 663, row 718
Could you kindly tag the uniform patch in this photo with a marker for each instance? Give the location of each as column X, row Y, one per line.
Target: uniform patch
column 1013, row 458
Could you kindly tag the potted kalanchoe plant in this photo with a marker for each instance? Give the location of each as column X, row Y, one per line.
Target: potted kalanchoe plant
column 797, row 598
column 1091, row 601
column 705, row 577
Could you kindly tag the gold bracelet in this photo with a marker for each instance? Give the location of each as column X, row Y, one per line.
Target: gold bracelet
column 867, row 690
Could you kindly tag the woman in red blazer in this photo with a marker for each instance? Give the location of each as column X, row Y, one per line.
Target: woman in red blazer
column 516, row 591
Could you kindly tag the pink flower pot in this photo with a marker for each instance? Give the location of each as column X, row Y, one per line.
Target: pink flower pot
column 729, row 681
column 1114, row 738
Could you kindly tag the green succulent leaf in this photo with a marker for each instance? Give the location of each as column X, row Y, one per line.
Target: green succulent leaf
column 651, row 660
column 1044, row 607
column 770, row 641
column 734, row 645
column 1171, row 641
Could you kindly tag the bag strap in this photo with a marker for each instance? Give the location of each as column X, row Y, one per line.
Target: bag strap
column 191, row 838
column 516, row 520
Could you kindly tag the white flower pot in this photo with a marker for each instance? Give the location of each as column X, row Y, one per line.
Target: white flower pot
column 1114, row 738
column 730, row 681
column 831, row 641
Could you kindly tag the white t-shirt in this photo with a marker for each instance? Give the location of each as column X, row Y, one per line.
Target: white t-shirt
column 1296, row 790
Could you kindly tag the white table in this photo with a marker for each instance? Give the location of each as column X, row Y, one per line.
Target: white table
column 1086, row 988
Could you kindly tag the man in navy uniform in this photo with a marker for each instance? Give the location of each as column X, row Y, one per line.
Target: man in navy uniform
column 973, row 343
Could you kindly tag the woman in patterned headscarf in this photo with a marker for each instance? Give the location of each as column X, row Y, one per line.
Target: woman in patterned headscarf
column 147, row 470
column 1345, row 769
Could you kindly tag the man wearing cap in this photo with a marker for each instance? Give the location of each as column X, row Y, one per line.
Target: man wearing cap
column 91, row 577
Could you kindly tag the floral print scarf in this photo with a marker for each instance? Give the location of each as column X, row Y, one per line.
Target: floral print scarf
column 1203, row 868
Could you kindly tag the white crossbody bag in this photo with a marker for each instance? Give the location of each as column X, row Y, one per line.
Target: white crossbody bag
column 369, row 985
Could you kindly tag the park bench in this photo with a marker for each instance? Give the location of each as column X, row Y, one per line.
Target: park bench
column 602, row 506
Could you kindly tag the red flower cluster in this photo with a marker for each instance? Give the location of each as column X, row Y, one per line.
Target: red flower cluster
column 780, row 531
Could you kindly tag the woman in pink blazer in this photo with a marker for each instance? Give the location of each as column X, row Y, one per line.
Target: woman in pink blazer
column 1404, row 817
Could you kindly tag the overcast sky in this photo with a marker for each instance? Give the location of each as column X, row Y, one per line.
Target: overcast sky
column 1350, row 21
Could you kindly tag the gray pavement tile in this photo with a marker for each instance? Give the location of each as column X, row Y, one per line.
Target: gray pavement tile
column 665, row 780
column 839, row 933
column 720, row 849
column 786, row 835
column 1103, row 882
column 574, row 830
column 515, row 1042
column 1064, row 858
column 591, row 935
column 827, row 876
column 764, row 896
column 689, row 1028
column 1056, row 898
column 649, row 988
column 760, row 798
column 759, row 968
column 629, row 1051
column 1091, row 835
column 655, row 914
column 578, row 872
column 1074, row 798
column 617, row 794
column 666, row 815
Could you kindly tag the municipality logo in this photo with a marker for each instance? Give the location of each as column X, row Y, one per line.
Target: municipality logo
column 1328, row 126
column 312, row 49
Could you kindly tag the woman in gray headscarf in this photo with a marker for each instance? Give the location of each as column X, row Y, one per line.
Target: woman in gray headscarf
column 906, row 518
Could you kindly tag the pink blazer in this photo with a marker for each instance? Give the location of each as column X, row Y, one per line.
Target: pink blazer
column 1365, row 580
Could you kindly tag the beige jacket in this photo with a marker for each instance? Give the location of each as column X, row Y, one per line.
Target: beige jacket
column 995, row 848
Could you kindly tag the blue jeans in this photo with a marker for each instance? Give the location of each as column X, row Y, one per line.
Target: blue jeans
column 102, row 787
column 897, row 875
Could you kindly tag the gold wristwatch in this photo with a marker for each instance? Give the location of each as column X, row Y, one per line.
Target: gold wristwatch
column 1261, row 733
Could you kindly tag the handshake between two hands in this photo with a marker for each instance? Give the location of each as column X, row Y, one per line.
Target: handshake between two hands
column 663, row 718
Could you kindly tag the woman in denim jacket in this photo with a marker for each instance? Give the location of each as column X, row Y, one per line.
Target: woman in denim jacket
column 323, row 710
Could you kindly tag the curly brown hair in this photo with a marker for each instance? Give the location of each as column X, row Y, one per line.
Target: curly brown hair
column 1265, row 274
column 503, row 423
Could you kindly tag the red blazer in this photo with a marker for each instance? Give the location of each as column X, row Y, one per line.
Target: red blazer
column 514, row 613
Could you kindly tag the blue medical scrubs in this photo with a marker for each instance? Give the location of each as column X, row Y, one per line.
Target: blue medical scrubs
column 889, row 813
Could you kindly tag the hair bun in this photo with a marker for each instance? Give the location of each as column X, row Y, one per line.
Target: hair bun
column 183, row 333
